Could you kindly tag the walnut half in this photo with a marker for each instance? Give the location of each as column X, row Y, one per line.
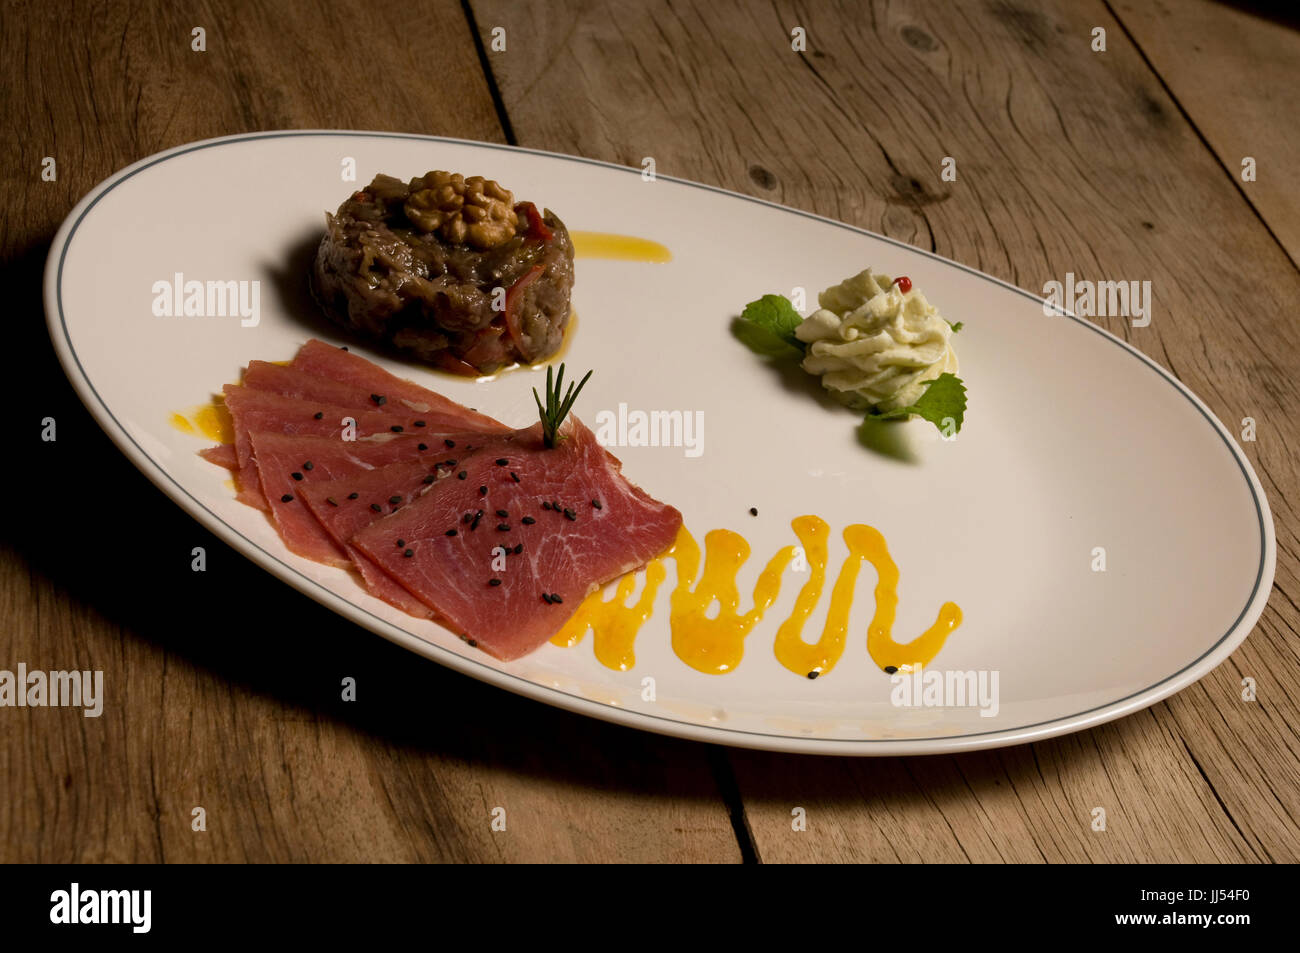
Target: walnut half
column 474, row 211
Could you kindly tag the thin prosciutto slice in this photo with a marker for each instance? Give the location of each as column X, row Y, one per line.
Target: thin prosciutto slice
column 441, row 511
column 345, row 506
column 287, row 464
column 325, row 360
column 267, row 412
column 502, row 582
column 341, row 517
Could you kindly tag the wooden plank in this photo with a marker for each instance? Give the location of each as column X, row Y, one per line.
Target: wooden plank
column 1067, row 160
column 1237, row 76
column 223, row 688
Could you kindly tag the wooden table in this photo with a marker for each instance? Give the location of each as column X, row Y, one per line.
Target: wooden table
column 1109, row 164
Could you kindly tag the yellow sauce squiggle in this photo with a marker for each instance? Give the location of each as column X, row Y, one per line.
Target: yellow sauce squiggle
column 715, row 645
column 615, row 623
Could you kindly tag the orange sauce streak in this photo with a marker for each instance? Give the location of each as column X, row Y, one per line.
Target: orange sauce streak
column 615, row 623
column 715, row 645
column 866, row 542
column 618, row 247
column 210, row 420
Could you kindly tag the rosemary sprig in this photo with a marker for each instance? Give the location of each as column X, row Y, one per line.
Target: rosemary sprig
column 557, row 407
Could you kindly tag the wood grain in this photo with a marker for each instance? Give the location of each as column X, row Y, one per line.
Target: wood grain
column 1068, row 160
column 1237, row 76
column 224, row 687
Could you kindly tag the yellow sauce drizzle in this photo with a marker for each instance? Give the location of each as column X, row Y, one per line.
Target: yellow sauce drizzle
column 867, row 543
column 715, row 646
column 210, row 420
column 618, row 247
column 615, row 623
column 791, row 650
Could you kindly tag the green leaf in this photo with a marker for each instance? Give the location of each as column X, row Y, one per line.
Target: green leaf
column 944, row 398
column 956, row 327
column 767, row 326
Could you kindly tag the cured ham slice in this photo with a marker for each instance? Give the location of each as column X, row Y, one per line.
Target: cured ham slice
column 325, row 360
column 267, row 412
column 341, row 516
column 506, row 555
column 441, row 511
column 298, row 384
column 286, row 464
column 223, row 455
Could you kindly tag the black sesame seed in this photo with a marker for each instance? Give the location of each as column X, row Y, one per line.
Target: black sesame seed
column 555, row 506
column 890, row 669
column 596, row 504
column 396, row 428
column 378, row 399
column 401, row 543
column 570, row 515
column 287, row 498
column 503, row 513
column 419, row 423
column 502, row 461
column 546, row 506
column 514, row 476
column 472, row 644
column 753, row 511
column 320, row 415
column 461, row 475
column 474, row 525
column 547, row 597
column 449, row 443
column 353, row 496
column 408, row 553
column 422, row 446
column 430, row 478
column 296, row 475
column 376, row 507
column 307, row 465
column 451, row 532
column 482, row 491
column 494, row 582
column 519, row 548
column 331, row 501
column 395, row 499
column 555, row 597
column 503, row 527
column 343, row 347
column 528, row 521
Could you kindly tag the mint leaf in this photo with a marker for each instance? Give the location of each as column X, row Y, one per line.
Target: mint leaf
column 956, row 327
column 767, row 326
column 944, row 398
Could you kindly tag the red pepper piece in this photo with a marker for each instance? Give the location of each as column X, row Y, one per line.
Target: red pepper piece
column 536, row 227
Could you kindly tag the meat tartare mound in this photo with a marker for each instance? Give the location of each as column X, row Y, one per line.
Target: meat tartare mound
column 448, row 269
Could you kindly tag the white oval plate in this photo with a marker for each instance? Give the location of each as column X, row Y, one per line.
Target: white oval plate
column 1073, row 441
